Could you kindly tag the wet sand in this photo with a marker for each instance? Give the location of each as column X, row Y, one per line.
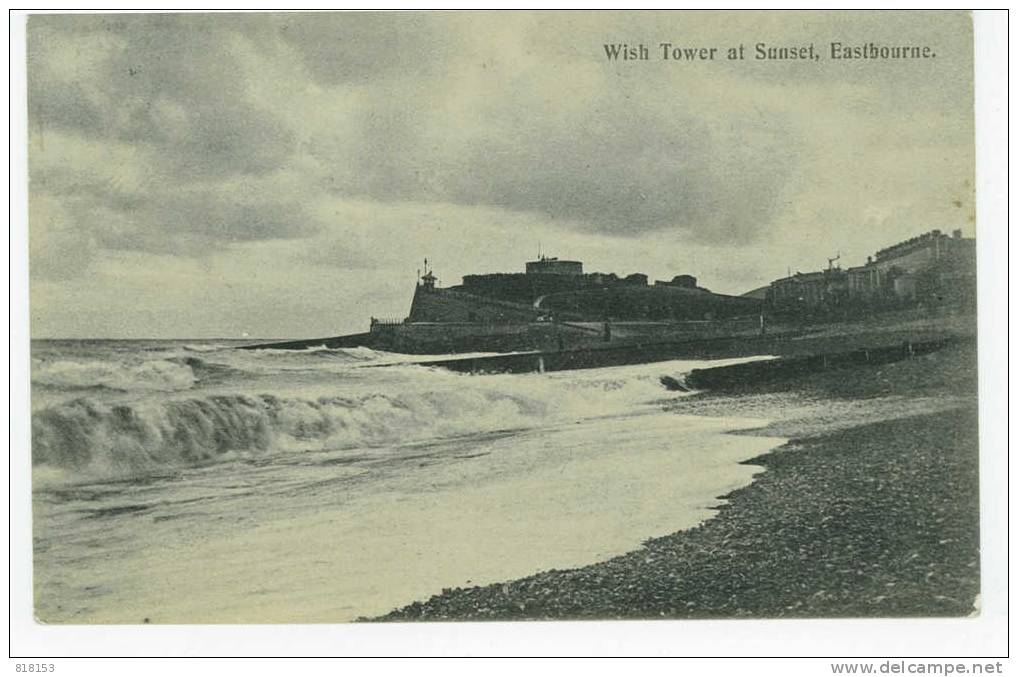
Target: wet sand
column 871, row 509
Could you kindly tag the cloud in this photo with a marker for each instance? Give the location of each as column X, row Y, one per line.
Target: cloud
column 195, row 222
column 362, row 47
column 641, row 173
column 606, row 157
column 169, row 82
column 450, row 108
column 58, row 248
column 112, row 195
column 350, row 145
column 186, row 221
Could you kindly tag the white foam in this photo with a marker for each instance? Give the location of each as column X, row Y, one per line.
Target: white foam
column 400, row 404
column 158, row 375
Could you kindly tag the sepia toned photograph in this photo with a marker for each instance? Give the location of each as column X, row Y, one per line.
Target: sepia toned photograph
column 357, row 317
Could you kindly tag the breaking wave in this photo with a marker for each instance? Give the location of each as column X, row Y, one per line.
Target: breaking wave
column 96, row 438
column 356, row 353
column 178, row 370
column 154, row 375
column 205, row 347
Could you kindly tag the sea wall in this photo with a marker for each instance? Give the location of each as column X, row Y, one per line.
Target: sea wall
column 426, row 338
column 347, row 341
column 458, row 337
column 625, row 331
column 694, row 340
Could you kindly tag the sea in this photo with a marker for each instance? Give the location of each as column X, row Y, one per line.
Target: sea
column 191, row 482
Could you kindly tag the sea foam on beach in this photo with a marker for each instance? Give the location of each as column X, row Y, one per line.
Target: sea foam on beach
column 301, row 486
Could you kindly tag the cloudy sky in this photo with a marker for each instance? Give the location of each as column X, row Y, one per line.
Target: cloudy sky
column 284, row 175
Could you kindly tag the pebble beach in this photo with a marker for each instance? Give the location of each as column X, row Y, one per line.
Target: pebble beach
column 870, row 510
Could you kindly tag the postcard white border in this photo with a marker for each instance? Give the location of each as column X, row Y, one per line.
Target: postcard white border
column 985, row 635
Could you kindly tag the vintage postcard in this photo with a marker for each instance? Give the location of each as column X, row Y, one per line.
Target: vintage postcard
column 450, row 316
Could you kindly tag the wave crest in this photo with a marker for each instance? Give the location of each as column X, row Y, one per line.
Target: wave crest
column 114, row 439
column 96, row 437
column 158, row 375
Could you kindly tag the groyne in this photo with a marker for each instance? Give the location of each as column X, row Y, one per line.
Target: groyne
column 766, row 370
column 769, row 371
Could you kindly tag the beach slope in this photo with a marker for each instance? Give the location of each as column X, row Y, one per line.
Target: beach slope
column 871, row 510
